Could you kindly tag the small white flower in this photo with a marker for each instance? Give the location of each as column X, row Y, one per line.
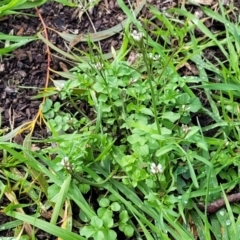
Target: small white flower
column 150, row 55
column 186, row 128
column 65, row 161
column 132, row 81
column 185, row 108
column 66, row 164
column 199, row 14
column 155, row 57
column 137, row 36
column 99, row 66
column 155, row 169
column 54, row 144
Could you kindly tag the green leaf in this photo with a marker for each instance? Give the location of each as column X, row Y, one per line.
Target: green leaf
column 141, row 150
column 128, row 230
column 123, row 216
column 102, row 97
column 59, row 84
column 96, row 222
column 195, row 105
column 98, row 87
column 164, row 150
column 99, row 235
column 221, row 87
column 84, row 188
column 104, row 202
column 45, row 226
column 192, row 132
column 127, row 160
column 47, row 105
column 62, row 195
column 58, row 119
column 50, row 114
column 134, row 138
column 192, row 172
column 115, row 206
column 83, row 216
column 158, row 137
column 87, row 231
column 107, row 221
column 147, row 111
column 104, row 212
column 53, row 192
column 111, row 235
column 172, row 117
column 56, row 106
column 106, row 108
column 202, row 144
column 183, row 99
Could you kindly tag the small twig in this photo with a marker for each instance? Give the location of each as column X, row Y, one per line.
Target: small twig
column 39, row 113
column 94, row 29
column 214, row 206
column 47, row 47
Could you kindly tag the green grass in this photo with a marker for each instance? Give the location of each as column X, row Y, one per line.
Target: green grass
column 138, row 115
column 13, row 7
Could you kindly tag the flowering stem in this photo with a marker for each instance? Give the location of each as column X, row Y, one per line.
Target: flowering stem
column 150, row 79
column 159, row 183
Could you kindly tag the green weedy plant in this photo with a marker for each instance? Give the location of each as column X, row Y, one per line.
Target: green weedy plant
column 109, row 207
column 118, row 88
column 58, row 119
column 143, row 150
column 100, row 226
column 49, row 109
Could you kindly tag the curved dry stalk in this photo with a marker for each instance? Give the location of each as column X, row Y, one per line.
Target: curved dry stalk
column 13, row 199
column 216, row 205
column 98, row 36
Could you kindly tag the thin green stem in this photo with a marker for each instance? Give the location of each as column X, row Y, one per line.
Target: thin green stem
column 77, row 108
column 96, row 184
column 150, row 79
column 110, row 98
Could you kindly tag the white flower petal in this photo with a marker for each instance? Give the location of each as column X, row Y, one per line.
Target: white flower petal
column 156, row 168
column 160, row 168
column 137, row 36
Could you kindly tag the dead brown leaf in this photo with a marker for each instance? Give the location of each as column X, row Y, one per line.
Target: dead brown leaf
column 76, row 40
